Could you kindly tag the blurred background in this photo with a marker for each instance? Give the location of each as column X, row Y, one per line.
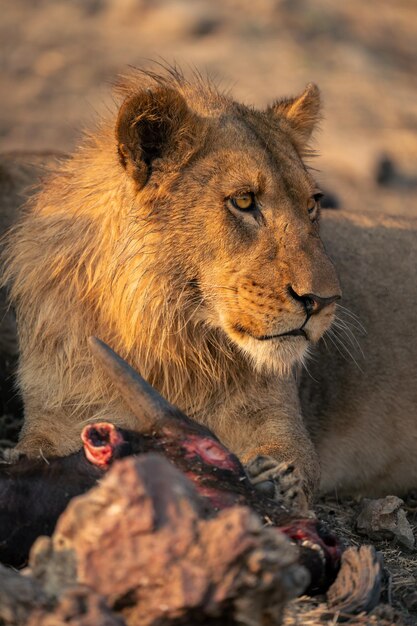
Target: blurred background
column 58, row 59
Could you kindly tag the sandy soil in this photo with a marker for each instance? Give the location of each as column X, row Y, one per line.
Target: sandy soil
column 58, row 60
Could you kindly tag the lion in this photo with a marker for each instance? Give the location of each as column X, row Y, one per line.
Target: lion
column 185, row 233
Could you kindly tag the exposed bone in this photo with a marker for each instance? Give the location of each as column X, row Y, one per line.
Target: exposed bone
column 100, row 440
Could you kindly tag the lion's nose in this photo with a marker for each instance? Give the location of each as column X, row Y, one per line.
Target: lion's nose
column 312, row 303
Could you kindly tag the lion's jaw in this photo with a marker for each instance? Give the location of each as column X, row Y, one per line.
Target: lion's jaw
column 278, row 353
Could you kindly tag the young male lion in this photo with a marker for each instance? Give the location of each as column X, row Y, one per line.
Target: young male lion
column 185, row 234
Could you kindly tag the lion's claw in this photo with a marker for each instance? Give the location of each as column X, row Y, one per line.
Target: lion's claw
column 280, row 481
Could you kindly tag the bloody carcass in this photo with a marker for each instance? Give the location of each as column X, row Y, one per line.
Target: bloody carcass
column 33, row 493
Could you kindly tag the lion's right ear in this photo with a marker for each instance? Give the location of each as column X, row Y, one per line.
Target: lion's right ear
column 153, row 124
column 301, row 113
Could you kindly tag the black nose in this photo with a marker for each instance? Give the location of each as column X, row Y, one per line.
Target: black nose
column 312, row 303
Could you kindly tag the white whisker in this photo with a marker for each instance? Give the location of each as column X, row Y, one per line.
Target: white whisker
column 353, row 317
column 337, row 341
column 343, row 327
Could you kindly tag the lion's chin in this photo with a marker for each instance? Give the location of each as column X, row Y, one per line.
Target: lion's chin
column 275, row 355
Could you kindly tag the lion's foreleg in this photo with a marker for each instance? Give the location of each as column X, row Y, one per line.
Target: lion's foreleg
column 266, row 430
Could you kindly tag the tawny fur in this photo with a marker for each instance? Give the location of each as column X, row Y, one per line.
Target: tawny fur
column 360, row 397
column 155, row 264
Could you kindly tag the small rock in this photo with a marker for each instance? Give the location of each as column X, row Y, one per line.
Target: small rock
column 389, row 174
column 385, row 171
column 205, row 26
column 385, row 519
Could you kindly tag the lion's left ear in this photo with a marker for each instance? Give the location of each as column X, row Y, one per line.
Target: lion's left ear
column 154, row 124
column 302, row 113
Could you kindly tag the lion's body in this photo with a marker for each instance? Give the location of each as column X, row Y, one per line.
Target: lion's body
column 107, row 249
column 363, row 414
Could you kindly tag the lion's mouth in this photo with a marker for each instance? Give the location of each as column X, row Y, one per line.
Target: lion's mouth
column 296, row 332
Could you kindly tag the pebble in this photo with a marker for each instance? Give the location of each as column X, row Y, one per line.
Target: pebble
column 384, row 518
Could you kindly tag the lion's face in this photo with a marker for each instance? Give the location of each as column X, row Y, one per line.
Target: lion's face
column 245, row 212
column 265, row 278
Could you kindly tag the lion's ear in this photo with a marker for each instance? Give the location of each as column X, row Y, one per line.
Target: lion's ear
column 152, row 124
column 302, row 113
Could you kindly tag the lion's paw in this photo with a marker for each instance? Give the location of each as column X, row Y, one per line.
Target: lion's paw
column 281, row 482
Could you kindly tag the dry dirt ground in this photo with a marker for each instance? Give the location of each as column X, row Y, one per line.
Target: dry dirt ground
column 58, row 59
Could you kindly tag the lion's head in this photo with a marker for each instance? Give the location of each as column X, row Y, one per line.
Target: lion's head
column 185, row 233
column 240, row 209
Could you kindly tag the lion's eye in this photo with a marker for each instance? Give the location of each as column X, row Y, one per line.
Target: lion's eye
column 314, row 204
column 244, row 202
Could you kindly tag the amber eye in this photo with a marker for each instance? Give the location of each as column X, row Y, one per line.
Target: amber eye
column 314, row 204
column 244, row 202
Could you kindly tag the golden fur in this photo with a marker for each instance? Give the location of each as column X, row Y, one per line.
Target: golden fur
column 134, row 239
column 131, row 240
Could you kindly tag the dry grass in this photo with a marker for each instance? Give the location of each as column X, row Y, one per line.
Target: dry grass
column 305, row 612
